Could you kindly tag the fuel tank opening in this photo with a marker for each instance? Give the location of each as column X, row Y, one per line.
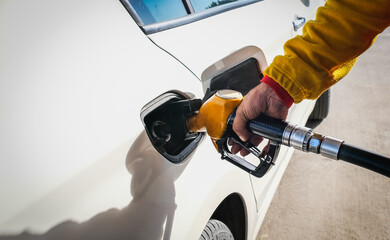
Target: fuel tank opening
column 165, row 118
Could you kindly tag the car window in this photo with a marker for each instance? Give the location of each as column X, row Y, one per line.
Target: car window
column 159, row 15
column 202, row 5
column 152, row 11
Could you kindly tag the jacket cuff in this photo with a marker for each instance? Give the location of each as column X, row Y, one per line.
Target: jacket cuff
column 280, row 92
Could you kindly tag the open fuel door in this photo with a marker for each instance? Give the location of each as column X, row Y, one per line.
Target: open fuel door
column 240, row 71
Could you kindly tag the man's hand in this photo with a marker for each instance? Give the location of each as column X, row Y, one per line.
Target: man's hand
column 260, row 100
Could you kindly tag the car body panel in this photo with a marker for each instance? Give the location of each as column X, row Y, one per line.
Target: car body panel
column 71, row 98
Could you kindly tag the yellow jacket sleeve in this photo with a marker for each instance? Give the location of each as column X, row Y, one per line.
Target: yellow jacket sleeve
column 328, row 46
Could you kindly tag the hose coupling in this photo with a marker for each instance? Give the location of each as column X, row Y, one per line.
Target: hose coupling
column 305, row 139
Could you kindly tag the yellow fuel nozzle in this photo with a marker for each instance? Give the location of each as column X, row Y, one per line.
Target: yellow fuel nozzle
column 214, row 114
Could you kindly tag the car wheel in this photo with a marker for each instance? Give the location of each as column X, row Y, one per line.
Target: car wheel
column 320, row 111
column 216, row 230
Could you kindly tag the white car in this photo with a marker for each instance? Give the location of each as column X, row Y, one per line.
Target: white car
column 76, row 162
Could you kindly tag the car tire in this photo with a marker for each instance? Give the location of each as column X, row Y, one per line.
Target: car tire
column 216, row 230
column 320, row 111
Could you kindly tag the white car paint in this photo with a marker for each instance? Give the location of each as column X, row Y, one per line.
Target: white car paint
column 74, row 157
column 74, row 77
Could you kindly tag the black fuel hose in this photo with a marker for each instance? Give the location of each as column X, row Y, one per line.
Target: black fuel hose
column 365, row 159
column 305, row 139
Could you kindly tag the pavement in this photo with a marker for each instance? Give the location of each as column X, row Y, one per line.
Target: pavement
column 320, row 198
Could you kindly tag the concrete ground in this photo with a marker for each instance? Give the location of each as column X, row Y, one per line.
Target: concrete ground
column 324, row 199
